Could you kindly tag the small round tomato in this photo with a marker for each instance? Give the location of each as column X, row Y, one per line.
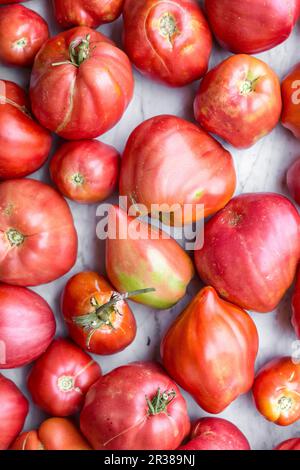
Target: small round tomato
column 168, row 41
column 98, row 328
column 291, row 101
column 60, row 378
column 22, row 34
column 293, row 180
column 85, row 171
column 290, row 444
column 90, row 13
column 276, row 391
column 239, row 100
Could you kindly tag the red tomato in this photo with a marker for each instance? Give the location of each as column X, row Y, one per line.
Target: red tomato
column 135, row 407
column 291, row 101
column 90, row 13
column 246, row 256
column 239, row 100
column 216, row 434
column 94, row 328
column 53, row 434
column 276, row 391
column 290, row 444
column 24, row 144
column 251, row 26
column 293, row 180
column 60, row 378
column 85, row 171
column 5, row 2
column 296, row 306
column 13, row 412
column 152, row 173
column 90, row 78
column 27, row 326
column 168, row 41
column 210, row 351
column 38, row 241
column 22, row 34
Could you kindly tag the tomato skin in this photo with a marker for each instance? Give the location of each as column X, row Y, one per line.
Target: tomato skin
column 255, row 26
column 13, row 411
column 27, row 325
column 296, row 306
column 84, row 107
column 204, row 174
column 53, row 434
column 215, row 434
column 290, row 96
column 263, row 272
column 90, row 13
column 290, row 444
column 276, row 391
column 26, row 149
column 60, row 378
column 218, row 347
column 77, row 298
column 22, row 34
column 85, row 171
column 138, row 257
column 176, row 58
column 239, row 117
column 117, row 402
column 293, row 181
column 38, row 240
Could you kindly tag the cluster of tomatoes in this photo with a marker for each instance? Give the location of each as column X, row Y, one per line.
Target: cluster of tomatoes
column 80, row 87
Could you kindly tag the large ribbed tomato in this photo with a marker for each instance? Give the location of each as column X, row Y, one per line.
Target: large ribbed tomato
column 90, row 13
column 210, row 351
column 90, row 78
column 291, row 101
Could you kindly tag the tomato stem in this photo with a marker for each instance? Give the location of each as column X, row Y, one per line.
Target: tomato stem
column 160, row 401
column 79, row 51
column 14, row 237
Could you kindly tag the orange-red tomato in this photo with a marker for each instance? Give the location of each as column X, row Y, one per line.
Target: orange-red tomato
column 291, row 101
column 90, row 13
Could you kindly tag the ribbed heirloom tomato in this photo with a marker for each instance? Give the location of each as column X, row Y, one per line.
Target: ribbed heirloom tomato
column 291, row 101
column 90, row 78
column 90, row 13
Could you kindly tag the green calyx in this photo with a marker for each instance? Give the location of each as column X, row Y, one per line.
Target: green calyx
column 160, row 402
column 79, row 51
column 167, row 26
column 77, row 179
column 14, row 237
column 248, row 86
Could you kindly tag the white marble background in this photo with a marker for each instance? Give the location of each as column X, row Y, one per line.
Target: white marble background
column 261, row 168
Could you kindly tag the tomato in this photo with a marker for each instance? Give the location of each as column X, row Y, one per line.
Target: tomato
column 216, row 434
column 94, row 326
column 276, row 391
column 38, row 241
column 60, row 378
column 13, row 412
column 291, row 100
column 90, row 13
column 152, row 173
column 27, row 326
column 5, row 2
column 139, row 256
column 85, row 171
column 53, row 434
column 22, row 33
column 290, row 444
column 239, row 100
column 167, row 41
column 251, row 26
column 210, row 351
column 246, row 255
column 296, row 306
column 90, row 78
column 293, row 180
column 135, row 407
column 24, row 144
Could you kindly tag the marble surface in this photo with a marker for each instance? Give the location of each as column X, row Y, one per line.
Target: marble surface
column 261, row 168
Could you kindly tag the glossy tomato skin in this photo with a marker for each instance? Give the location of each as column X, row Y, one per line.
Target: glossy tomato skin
column 24, row 144
column 290, row 444
column 85, row 292
column 91, row 96
column 210, row 351
column 255, row 278
column 293, row 181
column 60, row 378
column 138, row 256
column 116, row 414
column 13, row 412
column 22, row 34
column 204, row 173
column 167, row 41
column 296, row 306
column 215, row 434
column 38, row 240
column 290, row 117
column 276, row 391
column 53, row 434
column 251, row 26
column 27, row 325
column 239, row 100
column 91, row 13
column 85, row 171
